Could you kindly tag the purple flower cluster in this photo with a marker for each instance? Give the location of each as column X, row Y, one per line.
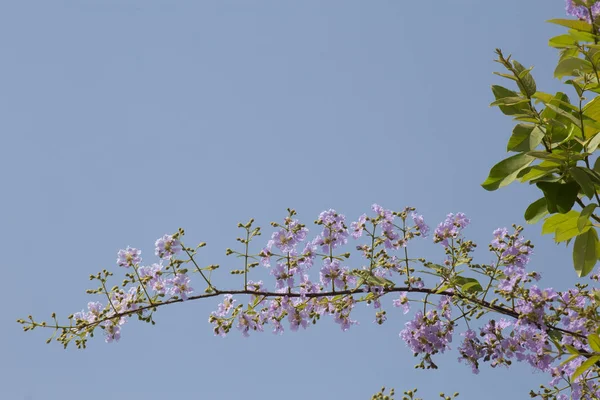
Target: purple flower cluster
column 422, row 227
column 581, row 12
column 333, row 272
column 450, row 228
column 334, row 234
column 514, row 253
column 167, row 246
column 129, row 257
column 428, row 333
column 542, row 317
column 500, row 345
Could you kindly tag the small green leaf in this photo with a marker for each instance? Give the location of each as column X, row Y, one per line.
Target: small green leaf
column 525, row 138
column 501, row 93
column 560, row 197
column 506, row 171
column 584, row 217
column 573, row 24
column 562, row 41
column 585, row 366
column 536, row 211
column 568, row 360
column 526, row 82
column 564, row 226
column 572, row 66
column 594, row 342
column 584, row 181
column 593, row 143
column 585, row 252
column 572, row 350
column 472, row 287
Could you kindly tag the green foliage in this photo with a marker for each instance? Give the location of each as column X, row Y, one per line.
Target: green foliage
column 554, row 144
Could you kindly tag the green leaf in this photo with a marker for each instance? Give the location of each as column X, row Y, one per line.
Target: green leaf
column 584, row 217
column 594, row 342
column 501, row 93
column 585, row 252
column 597, row 165
column 469, row 285
column 525, row 138
column 576, row 85
column 545, row 168
column 574, row 119
column 584, row 181
column 581, row 36
column 572, row 66
column 472, row 287
column 568, row 360
column 562, row 41
column 560, row 197
column 573, row 24
column 506, row 171
column 509, row 101
column 593, row 143
column 526, row 82
column 592, row 109
column 585, row 366
column 562, row 224
column 572, row 350
column 536, row 211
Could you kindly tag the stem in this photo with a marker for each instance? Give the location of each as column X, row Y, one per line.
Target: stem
column 199, row 270
column 143, row 286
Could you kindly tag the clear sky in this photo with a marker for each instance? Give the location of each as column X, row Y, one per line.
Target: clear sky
column 123, row 120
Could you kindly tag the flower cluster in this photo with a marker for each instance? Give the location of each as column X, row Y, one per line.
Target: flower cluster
column 538, row 326
column 583, row 12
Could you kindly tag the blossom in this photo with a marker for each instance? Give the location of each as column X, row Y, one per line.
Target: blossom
column 152, row 277
column 284, row 276
column 181, row 286
column 420, row 224
column 402, row 302
column 358, row 226
column 582, row 12
column 427, row 333
column 167, row 246
column 224, row 307
column 450, row 228
column 331, row 271
column 129, row 257
column 334, row 232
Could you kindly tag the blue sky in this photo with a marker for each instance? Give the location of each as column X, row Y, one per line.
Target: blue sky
column 124, row 120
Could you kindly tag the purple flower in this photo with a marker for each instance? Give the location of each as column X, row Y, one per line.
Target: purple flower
column 265, row 254
column 450, row 228
column 167, row 246
column 287, row 238
column 358, row 226
column 385, row 215
column 334, row 233
column 298, row 318
column 94, row 310
column 247, row 322
column 181, row 286
column 471, row 350
column 284, row 276
column 226, row 306
column 128, row 257
column 420, row 224
column 333, row 272
column 112, row 331
column 427, row 333
column 402, row 302
column 154, row 278
column 582, row 12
